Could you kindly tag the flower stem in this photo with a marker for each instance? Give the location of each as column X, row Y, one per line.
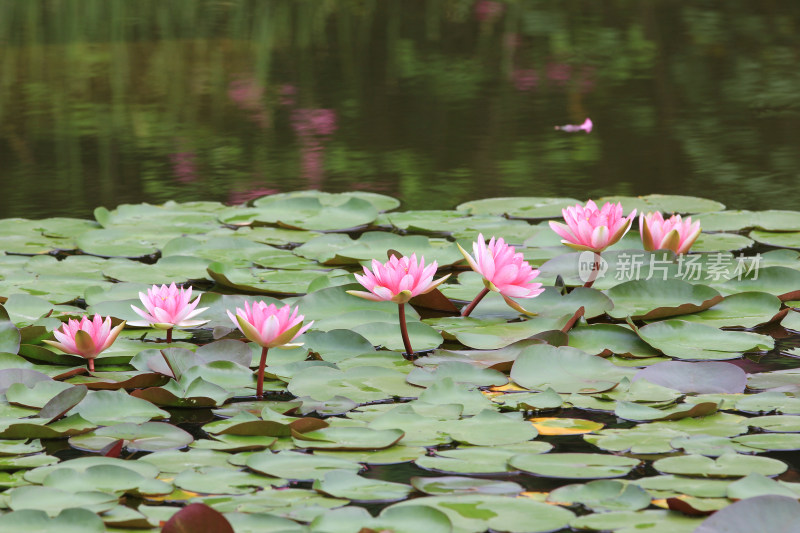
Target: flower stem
column 595, row 271
column 91, row 365
column 261, row 366
column 404, row 330
column 169, row 335
column 468, row 309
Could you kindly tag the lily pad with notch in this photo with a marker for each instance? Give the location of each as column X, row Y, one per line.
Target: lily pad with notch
column 565, row 370
column 658, row 298
column 689, row 340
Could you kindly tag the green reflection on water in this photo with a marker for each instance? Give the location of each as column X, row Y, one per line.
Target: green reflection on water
column 437, row 102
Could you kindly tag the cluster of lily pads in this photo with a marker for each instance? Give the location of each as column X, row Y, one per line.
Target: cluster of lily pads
column 660, row 389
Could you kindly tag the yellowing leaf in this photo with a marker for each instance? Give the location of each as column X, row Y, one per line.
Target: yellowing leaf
column 564, row 426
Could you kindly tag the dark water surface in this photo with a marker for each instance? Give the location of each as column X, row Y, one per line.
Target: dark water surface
column 436, row 102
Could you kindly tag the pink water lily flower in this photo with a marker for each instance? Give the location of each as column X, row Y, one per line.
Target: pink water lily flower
column 504, row 271
column 573, row 128
column 87, row 338
column 592, row 229
column 269, row 326
column 672, row 234
column 398, row 280
column 168, row 307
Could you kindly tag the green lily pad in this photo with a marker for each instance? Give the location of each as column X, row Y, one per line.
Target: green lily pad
column 262, row 523
column 767, row 402
column 36, row 396
column 26, row 461
column 639, row 412
column 552, row 303
column 9, row 337
column 754, row 485
column 19, row 447
column 345, row 484
column 787, row 380
column 688, row 340
column 479, row 512
column 548, row 399
column 465, row 485
column 780, row 281
column 235, row 443
column 222, row 480
column 657, row 298
column 770, row 441
column 771, row 220
column 745, row 309
column 479, row 459
column 422, row 336
column 635, row 521
column 334, row 249
column 670, row 486
column 666, row 203
column 784, row 239
column 708, row 445
column 310, row 213
column 297, row 466
column 262, row 281
column 727, row 465
column 337, row 345
column 120, row 242
column 521, row 207
column 459, row 372
column 81, row 464
column 104, row 478
column 44, row 428
column 714, row 242
column 419, row 428
column 607, row 339
column 448, row 392
column 71, row 520
column 603, row 495
column 112, row 407
column 53, row 501
column 490, row 428
column 777, row 423
column 149, row 437
column 360, row 384
column 195, row 393
column 565, row 370
column 388, row 456
column 410, row 519
column 176, row 461
column 488, row 335
column 347, row 438
column 574, row 465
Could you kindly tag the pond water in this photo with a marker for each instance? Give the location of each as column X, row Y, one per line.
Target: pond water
column 435, row 102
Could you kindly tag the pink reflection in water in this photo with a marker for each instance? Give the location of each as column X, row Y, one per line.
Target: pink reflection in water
column 248, row 94
column 286, row 94
column 312, row 126
column 184, row 166
column 314, row 121
column 525, row 79
column 487, row 10
column 560, row 73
